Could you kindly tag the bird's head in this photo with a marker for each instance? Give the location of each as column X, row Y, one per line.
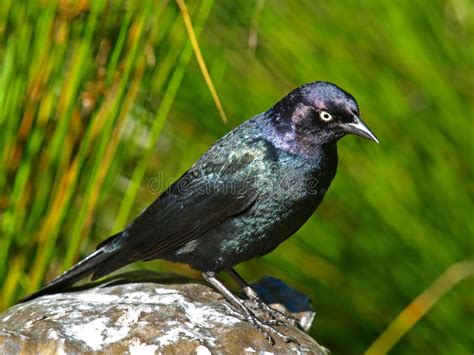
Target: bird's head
column 320, row 113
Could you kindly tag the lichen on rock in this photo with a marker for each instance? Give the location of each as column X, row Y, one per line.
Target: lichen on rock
column 138, row 316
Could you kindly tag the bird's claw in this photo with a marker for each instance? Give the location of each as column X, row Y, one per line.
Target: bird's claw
column 275, row 317
column 268, row 331
column 265, row 327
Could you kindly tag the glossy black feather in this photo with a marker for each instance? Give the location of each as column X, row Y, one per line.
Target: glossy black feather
column 251, row 190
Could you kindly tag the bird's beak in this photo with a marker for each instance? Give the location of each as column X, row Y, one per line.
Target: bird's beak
column 359, row 128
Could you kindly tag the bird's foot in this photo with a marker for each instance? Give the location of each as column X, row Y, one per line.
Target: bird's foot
column 274, row 316
column 267, row 330
column 264, row 327
column 243, row 312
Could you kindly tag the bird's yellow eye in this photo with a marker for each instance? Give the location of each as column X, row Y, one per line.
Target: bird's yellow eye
column 325, row 116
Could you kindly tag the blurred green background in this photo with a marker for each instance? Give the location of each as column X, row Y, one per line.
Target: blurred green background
column 99, row 100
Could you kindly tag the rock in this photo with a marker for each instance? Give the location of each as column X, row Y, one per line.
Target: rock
column 148, row 314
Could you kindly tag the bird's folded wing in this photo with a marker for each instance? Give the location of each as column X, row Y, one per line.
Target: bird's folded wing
column 209, row 193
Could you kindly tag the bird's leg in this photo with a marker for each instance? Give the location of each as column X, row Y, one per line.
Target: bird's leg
column 259, row 303
column 263, row 328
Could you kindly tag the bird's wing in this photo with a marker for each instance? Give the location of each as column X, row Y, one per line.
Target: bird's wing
column 220, row 185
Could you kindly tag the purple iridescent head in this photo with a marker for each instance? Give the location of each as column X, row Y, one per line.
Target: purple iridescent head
column 319, row 113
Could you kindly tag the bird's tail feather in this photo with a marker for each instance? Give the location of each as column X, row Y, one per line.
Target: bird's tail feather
column 91, row 264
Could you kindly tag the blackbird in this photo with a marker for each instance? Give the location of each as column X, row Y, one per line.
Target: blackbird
column 251, row 190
